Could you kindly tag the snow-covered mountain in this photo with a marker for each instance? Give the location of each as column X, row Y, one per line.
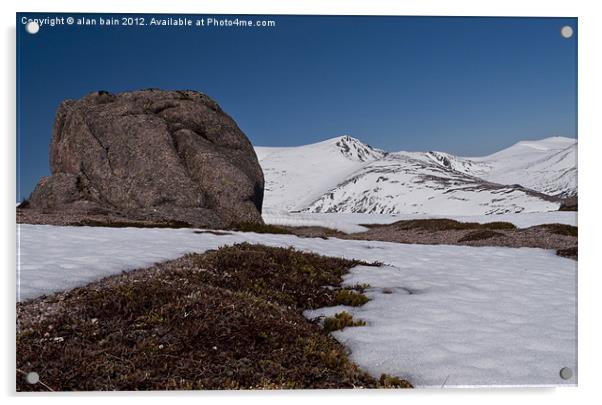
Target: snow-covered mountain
column 296, row 177
column 548, row 166
column 344, row 175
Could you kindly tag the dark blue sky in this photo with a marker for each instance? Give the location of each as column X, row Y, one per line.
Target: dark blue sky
column 468, row 86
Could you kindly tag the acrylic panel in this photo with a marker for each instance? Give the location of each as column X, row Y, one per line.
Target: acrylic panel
column 295, row 202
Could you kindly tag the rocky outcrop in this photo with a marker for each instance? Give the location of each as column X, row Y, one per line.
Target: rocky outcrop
column 151, row 154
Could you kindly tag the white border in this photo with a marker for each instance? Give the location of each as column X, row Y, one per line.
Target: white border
column 590, row 148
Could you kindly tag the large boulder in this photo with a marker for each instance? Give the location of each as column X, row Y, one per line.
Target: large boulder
column 169, row 155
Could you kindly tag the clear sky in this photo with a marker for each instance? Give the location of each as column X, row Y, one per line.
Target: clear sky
column 468, row 86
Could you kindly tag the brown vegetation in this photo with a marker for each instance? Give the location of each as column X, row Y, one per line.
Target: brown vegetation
column 227, row 319
column 569, row 204
column 450, row 232
column 340, row 321
column 480, row 235
column 442, row 224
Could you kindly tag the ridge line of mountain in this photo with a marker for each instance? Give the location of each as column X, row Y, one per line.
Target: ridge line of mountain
column 342, row 174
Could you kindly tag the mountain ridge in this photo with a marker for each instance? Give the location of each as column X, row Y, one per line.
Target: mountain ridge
column 343, row 174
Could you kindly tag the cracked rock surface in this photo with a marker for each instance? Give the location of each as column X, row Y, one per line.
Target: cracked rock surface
column 151, row 155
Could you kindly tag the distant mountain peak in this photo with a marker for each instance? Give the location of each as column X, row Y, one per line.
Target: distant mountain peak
column 354, row 149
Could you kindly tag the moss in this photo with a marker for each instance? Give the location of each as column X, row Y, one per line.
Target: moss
column 340, row 321
column 350, row 297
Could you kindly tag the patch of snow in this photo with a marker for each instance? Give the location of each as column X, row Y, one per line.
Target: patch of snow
column 459, row 315
column 466, row 317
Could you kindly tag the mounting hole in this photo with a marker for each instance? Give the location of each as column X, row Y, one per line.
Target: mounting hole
column 566, row 31
column 566, row 373
column 32, row 27
column 32, row 377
